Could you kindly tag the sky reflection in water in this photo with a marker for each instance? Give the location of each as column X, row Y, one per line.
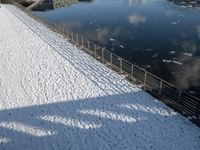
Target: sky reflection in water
column 159, row 35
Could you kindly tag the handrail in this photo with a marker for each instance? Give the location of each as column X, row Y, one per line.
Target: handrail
column 182, row 101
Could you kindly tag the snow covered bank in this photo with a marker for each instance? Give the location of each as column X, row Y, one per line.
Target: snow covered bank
column 53, row 96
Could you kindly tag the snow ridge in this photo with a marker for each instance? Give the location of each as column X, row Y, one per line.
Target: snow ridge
column 54, row 96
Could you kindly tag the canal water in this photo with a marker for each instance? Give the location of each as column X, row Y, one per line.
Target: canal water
column 162, row 36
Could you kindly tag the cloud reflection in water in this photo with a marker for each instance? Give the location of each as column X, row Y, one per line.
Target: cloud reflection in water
column 136, row 19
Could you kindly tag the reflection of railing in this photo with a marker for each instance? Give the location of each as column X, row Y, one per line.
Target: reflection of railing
column 43, row 5
column 181, row 101
column 61, row 3
column 186, row 3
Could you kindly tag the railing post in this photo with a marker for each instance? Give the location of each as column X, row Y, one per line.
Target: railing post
column 58, row 28
column 52, row 25
column 132, row 72
column 179, row 94
column 178, row 105
column 63, row 30
column 95, row 51
column 67, row 33
column 160, row 88
column 88, row 45
column 77, row 39
column 120, row 59
column 111, row 57
column 102, row 55
column 72, row 36
column 145, row 80
column 82, row 42
column 49, row 22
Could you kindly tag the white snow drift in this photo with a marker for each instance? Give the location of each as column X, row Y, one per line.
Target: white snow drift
column 53, row 96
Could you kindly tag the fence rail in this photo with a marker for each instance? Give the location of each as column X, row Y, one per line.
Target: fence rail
column 181, row 101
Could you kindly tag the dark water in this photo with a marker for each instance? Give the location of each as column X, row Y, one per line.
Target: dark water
column 160, row 35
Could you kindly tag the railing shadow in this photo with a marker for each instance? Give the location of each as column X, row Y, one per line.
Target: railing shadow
column 122, row 121
column 185, row 103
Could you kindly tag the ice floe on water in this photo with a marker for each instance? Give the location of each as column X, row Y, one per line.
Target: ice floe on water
column 166, row 61
column 155, row 55
column 172, row 61
column 53, row 96
column 172, row 52
column 174, row 23
column 112, row 39
column 178, row 63
column 188, row 54
column 121, row 46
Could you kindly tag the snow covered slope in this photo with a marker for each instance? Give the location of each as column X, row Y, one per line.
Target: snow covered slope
column 55, row 97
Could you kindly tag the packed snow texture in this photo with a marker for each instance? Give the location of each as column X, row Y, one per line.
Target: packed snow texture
column 55, row 97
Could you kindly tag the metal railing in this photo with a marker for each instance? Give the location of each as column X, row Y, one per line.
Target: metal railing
column 181, row 101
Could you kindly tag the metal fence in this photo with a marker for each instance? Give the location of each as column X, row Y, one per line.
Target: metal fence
column 181, row 101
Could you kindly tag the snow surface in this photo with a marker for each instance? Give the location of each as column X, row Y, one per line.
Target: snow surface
column 55, row 97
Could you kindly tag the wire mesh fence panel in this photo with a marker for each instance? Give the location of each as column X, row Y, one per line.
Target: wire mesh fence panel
column 66, row 33
column 126, row 67
column 183, row 101
column 71, row 36
column 190, row 102
column 85, row 44
column 190, row 106
column 60, row 29
column 4, row 1
column 183, row 105
column 153, row 83
column 138, row 75
column 98, row 52
column 76, row 39
column 170, row 91
column 92, row 48
column 190, row 97
column 107, row 56
column 116, row 62
column 79, row 40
